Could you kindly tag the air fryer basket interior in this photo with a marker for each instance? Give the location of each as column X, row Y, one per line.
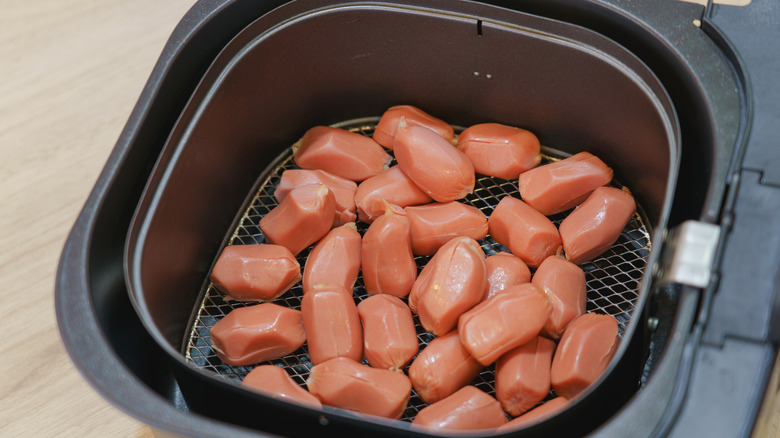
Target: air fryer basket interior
column 296, row 67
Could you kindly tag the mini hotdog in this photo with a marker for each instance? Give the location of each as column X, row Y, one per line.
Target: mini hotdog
column 527, row 233
column 255, row 272
column 348, row 384
column 594, row 226
column 389, row 336
column 583, row 353
column 443, row 367
column 387, row 261
column 332, row 324
column 504, row 270
column 384, row 133
column 467, row 409
column 335, row 259
column 343, row 190
column 340, row 152
column 564, row 283
column 499, row 150
column 433, row 225
column 523, row 375
column 301, row 219
column 275, row 382
column 392, row 186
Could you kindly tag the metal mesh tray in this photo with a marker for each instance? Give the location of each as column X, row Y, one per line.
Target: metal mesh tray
column 612, row 279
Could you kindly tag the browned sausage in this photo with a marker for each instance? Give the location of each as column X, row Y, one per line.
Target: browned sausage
column 506, row 321
column 433, row 225
column 499, row 150
column 434, row 164
column 392, row 186
column 347, row 384
column 527, row 233
column 388, row 262
column 343, row 190
column 596, row 224
column 523, row 375
column 305, row 215
column 274, row 381
column 583, row 353
column 258, row 333
column 442, row 367
column 467, row 409
column 255, row 272
column 332, row 324
column 503, row 270
column 389, row 336
column 340, row 152
column 335, row 259
column 556, row 187
column 564, row 283
column 453, row 282
column 388, row 124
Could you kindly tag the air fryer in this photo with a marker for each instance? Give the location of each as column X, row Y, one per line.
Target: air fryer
column 658, row 91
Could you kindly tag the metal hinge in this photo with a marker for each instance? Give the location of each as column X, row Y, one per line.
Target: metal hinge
column 688, row 254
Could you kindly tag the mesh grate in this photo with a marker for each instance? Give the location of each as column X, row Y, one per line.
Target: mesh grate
column 612, row 279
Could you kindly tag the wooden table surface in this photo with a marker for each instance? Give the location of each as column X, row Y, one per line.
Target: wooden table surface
column 70, row 74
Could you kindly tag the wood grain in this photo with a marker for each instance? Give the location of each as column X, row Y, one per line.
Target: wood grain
column 70, row 73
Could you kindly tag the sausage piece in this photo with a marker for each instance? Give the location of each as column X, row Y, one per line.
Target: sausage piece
column 340, row 152
column 255, row 272
column 389, row 335
column 454, row 282
column 596, row 224
column 332, row 324
column 556, row 187
column 392, row 186
column 546, row 409
column 508, row 320
column 527, row 233
column 523, row 375
column 583, row 353
column 274, row 381
column 467, row 409
column 564, row 283
column 343, row 190
column 347, row 384
column 388, row 262
column 305, row 215
column 335, row 259
column 503, row 270
column 442, row 367
column 388, row 124
column 433, row 225
column 434, row 164
column 499, row 150
column 258, row 333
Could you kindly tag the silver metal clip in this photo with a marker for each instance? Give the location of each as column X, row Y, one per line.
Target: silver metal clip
column 688, row 254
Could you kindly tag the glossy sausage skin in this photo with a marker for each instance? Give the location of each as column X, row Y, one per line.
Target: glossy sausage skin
column 527, row 233
column 443, row 367
column 255, row 272
column 508, row 320
column 434, row 164
column 389, row 336
column 467, row 409
column 335, row 259
column 433, row 225
column 546, row 409
column 556, row 187
column 594, row 226
column 454, row 281
column 332, row 324
column 384, row 133
column 348, row 384
column 258, row 333
column 564, row 283
column 340, row 152
column 388, row 263
column 305, row 215
column 504, row 270
column 392, row 186
column 584, row 352
column 499, row 150
column 274, row 381
column 343, row 190
column 523, row 375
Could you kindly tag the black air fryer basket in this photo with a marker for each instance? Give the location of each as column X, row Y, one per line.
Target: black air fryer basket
column 657, row 92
